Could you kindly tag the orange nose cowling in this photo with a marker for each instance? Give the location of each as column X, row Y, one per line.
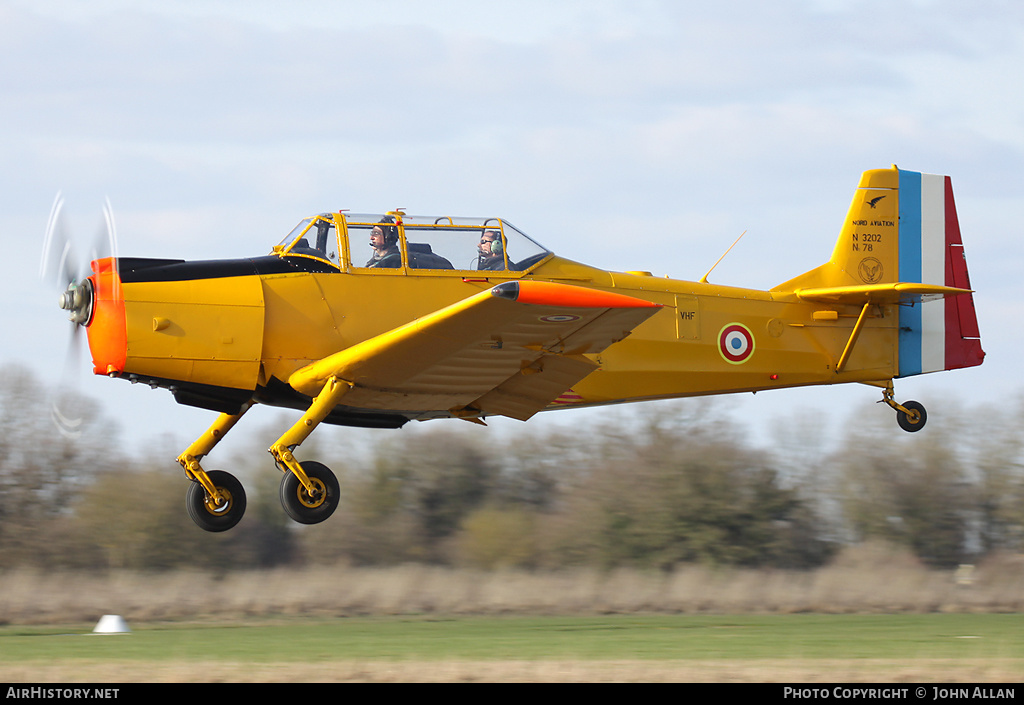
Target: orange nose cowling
column 108, row 337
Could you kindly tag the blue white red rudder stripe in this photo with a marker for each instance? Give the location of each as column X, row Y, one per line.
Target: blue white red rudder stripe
column 941, row 334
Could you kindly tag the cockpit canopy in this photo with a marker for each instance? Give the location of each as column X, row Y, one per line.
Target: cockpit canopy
column 398, row 241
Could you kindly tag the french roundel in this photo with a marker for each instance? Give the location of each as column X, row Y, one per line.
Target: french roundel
column 736, row 343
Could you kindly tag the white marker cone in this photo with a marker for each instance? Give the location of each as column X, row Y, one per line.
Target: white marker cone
column 111, row 624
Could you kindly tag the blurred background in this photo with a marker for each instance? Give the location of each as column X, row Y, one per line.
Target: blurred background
column 627, row 135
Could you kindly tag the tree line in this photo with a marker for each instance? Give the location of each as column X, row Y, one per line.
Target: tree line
column 652, row 487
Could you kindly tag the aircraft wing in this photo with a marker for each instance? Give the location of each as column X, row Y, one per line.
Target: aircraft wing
column 510, row 351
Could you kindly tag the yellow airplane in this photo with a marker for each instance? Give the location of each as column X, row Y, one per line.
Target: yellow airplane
column 376, row 320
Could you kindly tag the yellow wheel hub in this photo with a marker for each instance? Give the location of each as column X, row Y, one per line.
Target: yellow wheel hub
column 217, row 509
column 314, row 501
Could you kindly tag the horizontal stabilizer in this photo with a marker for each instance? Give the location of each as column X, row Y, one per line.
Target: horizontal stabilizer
column 893, row 293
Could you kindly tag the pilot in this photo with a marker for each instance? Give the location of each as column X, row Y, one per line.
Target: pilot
column 384, row 241
column 491, row 251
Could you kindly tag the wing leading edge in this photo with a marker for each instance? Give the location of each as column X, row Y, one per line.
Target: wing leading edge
column 509, row 351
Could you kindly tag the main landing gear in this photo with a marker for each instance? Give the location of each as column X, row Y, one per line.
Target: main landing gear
column 910, row 415
column 309, row 491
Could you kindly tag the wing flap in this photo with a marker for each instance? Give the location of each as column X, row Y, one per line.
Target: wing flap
column 509, row 350
column 524, row 394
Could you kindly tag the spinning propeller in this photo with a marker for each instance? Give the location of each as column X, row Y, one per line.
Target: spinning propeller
column 65, row 264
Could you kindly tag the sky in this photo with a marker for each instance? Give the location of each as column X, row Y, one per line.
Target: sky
column 628, row 135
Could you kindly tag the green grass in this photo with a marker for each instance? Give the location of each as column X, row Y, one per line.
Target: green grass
column 680, row 637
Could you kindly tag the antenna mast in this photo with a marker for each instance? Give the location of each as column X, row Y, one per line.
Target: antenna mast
column 704, row 279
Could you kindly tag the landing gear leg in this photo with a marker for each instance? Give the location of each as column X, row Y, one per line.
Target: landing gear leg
column 215, row 500
column 309, row 492
column 910, row 415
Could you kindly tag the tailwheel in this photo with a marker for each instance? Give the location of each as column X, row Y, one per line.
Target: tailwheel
column 913, row 418
column 910, row 415
column 310, row 508
column 209, row 513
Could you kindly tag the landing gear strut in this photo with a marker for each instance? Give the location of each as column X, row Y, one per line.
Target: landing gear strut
column 309, row 491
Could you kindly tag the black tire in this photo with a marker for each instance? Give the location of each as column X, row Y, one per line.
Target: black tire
column 205, row 513
column 912, row 424
column 297, row 502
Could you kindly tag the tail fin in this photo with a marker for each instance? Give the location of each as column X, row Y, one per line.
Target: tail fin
column 901, row 231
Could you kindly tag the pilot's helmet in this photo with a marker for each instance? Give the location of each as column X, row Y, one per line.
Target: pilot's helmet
column 390, row 231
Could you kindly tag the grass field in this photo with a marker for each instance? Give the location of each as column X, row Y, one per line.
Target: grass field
column 762, row 648
column 870, row 616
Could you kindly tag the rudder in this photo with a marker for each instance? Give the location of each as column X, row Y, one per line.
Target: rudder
column 943, row 334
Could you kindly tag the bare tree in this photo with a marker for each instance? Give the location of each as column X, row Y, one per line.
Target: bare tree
column 42, row 470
